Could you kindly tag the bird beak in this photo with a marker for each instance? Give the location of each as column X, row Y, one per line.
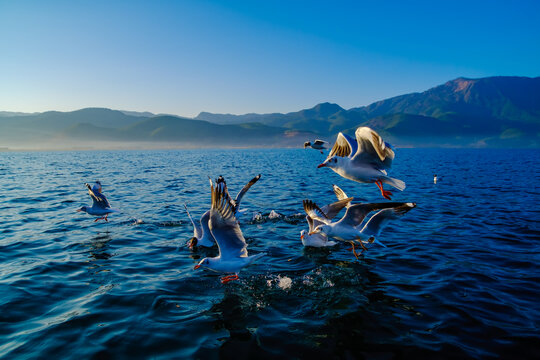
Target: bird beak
column 321, row 165
column 79, row 210
column 196, row 267
column 302, row 237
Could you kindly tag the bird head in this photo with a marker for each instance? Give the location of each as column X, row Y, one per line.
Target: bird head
column 82, row 209
column 306, row 144
column 302, row 234
column 332, row 162
column 321, row 229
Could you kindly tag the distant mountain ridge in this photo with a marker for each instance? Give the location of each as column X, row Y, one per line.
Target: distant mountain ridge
column 499, row 111
column 496, row 111
column 106, row 128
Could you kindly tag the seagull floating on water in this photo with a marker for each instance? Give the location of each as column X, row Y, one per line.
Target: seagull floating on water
column 348, row 227
column 364, row 159
column 319, row 239
column 100, row 204
column 318, row 144
column 201, row 232
column 233, row 255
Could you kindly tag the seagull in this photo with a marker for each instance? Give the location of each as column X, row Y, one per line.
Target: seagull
column 233, row 255
column 318, row 144
column 331, row 210
column 348, row 227
column 364, row 159
column 201, row 233
column 100, row 204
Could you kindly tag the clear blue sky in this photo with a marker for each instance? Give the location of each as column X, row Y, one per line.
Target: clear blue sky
column 252, row 56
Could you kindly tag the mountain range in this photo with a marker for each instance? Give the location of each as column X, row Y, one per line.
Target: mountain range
column 487, row 112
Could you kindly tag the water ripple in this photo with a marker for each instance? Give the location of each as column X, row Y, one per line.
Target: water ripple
column 460, row 276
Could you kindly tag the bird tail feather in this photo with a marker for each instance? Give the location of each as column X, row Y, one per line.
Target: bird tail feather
column 398, row 184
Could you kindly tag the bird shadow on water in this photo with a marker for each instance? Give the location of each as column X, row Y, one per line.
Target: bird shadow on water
column 99, row 246
column 99, row 259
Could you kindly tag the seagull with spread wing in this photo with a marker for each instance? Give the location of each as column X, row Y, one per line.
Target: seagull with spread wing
column 348, row 227
column 318, row 144
column 100, row 204
column 319, row 239
column 233, row 255
column 364, row 159
column 201, row 232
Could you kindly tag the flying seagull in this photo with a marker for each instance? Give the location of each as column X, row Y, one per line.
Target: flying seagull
column 320, row 239
column 364, row 159
column 100, row 204
column 201, row 233
column 233, row 255
column 318, row 144
column 348, row 227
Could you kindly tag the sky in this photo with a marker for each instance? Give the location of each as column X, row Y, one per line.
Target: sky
column 184, row 57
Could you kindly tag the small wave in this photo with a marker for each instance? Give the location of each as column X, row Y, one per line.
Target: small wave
column 274, row 216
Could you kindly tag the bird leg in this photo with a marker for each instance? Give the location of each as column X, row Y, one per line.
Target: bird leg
column 385, row 193
column 362, row 245
column 105, row 218
column 229, row 278
column 99, row 218
column 353, row 249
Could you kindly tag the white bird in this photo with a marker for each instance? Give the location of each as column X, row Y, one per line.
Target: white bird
column 201, row 233
column 319, row 239
column 318, row 144
column 100, row 204
column 364, row 159
column 233, row 255
column 348, row 227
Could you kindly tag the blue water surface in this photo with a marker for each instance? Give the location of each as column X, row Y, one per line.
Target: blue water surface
column 460, row 276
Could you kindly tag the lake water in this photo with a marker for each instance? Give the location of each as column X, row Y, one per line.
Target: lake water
column 460, row 276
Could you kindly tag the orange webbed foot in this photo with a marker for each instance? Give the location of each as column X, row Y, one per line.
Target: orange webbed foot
column 227, row 279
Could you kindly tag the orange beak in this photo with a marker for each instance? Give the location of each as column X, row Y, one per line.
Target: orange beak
column 196, row 267
column 302, row 237
column 79, row 210
column 321, row 165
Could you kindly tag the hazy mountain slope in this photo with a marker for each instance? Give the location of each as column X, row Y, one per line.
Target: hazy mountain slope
column 511, row 98
column 324, row 118
column 52, row 121
column 498, row 111
column 188, row 132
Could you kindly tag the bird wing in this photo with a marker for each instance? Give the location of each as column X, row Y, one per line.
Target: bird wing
column 356, row 213
column 313, row 223
column 319, row 142
column 372, row 149
column 331, row 210
column 314, row 212
column 223, row 223
column 244, row 191
column 378, row 221
column 98, row 198
column 340, row 194
column 344, row 146
column 197, row 229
